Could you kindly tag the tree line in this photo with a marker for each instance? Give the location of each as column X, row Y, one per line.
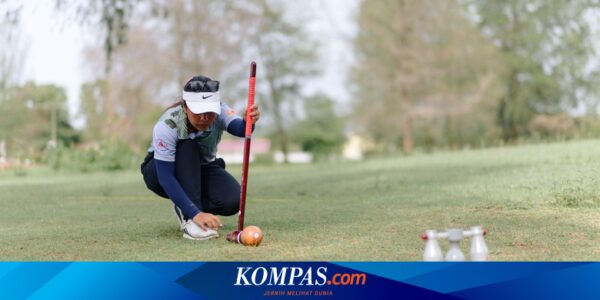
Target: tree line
column 426, row 74
column 470, row 72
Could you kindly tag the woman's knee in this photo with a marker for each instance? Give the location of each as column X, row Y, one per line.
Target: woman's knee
column 231, row 206
column 229, row 202
column 224, row 191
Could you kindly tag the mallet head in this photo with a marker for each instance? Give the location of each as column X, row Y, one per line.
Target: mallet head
column 234, row 237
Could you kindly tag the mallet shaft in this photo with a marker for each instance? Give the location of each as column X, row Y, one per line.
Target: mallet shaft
column 248, row 139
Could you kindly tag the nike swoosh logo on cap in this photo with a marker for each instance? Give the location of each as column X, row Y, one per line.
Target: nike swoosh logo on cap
column 206, row 97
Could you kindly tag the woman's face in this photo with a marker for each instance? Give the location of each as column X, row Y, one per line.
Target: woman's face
column 200, row 121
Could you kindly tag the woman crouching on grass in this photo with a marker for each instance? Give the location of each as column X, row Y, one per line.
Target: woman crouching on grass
column 181, row 163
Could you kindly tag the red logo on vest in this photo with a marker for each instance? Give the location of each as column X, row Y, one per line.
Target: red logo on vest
column 161, row 145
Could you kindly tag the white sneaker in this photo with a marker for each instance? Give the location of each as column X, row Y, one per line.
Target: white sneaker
column 179, row 216
column 192, row 231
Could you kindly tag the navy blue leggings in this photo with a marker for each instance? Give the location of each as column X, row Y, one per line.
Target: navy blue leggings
column 209, row 185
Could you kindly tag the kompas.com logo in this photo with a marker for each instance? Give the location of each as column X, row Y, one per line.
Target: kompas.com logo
column 295, row 276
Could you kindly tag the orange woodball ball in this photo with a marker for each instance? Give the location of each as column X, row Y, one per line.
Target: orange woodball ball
column 251, row 236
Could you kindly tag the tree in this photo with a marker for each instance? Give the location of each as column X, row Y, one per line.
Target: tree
column 166, row 44
column 35, row 117
column 114, row 17
column 91, row 107
column 13, row 50
column 321, row 131
column 210, row 44
column 416, row 59
column 288, row 56
column 546, row 46
column 119, row 107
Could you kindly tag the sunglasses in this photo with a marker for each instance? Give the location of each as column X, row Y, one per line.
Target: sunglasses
column 204, row 86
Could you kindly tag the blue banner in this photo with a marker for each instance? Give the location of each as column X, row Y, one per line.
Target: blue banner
column 330, row 280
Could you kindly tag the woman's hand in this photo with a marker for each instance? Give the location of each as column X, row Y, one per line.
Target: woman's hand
column 207, row 220
column 254, row 114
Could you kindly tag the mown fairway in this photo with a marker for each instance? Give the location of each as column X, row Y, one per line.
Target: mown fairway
column 539, row 202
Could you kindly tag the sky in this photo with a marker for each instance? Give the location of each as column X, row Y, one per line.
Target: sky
column 55, row 51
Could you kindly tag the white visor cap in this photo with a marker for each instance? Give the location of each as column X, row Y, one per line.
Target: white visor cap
column 203, row 102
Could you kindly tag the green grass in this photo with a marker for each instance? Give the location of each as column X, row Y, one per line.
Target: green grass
column 539, row 202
